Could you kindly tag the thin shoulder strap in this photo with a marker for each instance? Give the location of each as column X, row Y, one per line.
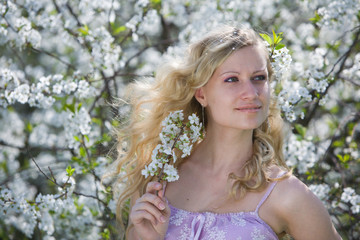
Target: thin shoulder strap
column 266, row 195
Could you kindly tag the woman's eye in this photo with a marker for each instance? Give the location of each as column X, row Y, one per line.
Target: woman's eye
column 231, row 79
column 259, row 78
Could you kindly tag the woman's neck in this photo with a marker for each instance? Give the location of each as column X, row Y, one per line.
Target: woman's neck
column 224, row 150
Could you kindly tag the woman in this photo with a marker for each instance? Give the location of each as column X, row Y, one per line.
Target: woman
column 235, row 184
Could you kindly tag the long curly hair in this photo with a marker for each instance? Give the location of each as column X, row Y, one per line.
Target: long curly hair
column 173, row 89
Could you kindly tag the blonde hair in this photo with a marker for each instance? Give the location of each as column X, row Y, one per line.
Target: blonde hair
column 174, row 88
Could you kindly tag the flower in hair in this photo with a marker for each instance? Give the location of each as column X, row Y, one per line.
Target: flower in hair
column 174, row 136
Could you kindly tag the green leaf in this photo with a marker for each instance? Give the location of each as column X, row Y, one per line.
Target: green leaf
column 70, row 171
column 334, row 109
column 84, row 30
column 119, row 30
column 28, row 127
column 87, row 138
column 338, row 143
column 353, row 145
column 344, row 159
column 316, row 18
column 278, row 40
column 6, row 10
column 279, row 46
column 156, row 4
column 71, row 107
column 97, row 121
column 82, row 151
column 77, row 138
column 300, row 129
column 267, row 38
column 105, row 234
column 274, row 36
column 94, row 212
column 79, row 106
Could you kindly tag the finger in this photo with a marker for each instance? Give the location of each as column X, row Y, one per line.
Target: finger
column 150, row 208
column 152, row 187
column 161, row 203
column 153, row 199
column 138, row 216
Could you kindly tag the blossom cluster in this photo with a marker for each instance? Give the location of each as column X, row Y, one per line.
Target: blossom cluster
column 75, row 124
column 23, row 215
column 338, row 13
column 133, row 23
column 321, row 191
column 62, row 61
column 50, row 212
column 174, row 135
column 105, row 53
column 40, row 94
column 281, row 63
column 349, row 196
column 354, row 71
column 301, row 153
column 292, row 92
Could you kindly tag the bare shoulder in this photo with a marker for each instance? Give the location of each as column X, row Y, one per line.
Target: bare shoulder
column 294, row 188
column 303, row 215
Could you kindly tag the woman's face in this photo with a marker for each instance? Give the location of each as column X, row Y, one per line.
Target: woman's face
column 238, row 95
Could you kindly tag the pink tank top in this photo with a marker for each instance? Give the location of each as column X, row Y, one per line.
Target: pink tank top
column 186, row 225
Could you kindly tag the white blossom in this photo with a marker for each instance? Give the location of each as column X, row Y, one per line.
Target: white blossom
column 41, row 47
column 301, row 153
column 321, row 191
column 47, row 223
column 75, row 124
column 349, row 196
column 171, row 173
column 170, row 139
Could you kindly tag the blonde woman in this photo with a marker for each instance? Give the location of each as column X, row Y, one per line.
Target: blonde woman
column 235, row 184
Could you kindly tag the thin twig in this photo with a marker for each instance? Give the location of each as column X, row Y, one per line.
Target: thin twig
column 54, row 56
column 3, row 143
column 52, row 174
column 63, row 186
column 38, row 167
column 73, row 14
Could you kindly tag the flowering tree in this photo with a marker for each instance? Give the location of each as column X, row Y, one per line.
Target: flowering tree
column 63, row 63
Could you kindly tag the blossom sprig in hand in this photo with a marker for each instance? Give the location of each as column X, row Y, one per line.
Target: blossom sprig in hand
column 175, row 134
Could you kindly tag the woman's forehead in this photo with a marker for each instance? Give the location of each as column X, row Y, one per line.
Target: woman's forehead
column 247, row 57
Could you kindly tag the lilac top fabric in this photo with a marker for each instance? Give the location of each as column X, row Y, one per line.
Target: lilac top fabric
column 185, row 225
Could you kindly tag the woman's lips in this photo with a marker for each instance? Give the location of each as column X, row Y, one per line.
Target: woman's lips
column 249, row 108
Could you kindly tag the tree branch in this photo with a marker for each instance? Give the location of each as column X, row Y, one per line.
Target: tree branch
column 342, row 59
column 49, row 149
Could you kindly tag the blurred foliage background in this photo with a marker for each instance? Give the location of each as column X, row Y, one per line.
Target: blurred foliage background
column 64, row 63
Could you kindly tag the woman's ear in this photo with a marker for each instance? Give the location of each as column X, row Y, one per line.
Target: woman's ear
column 200, row 97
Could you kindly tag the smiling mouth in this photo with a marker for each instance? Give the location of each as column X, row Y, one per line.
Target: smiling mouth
column 249, row 108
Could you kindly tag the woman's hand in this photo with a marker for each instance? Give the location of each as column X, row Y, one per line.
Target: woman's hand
column 150, row 214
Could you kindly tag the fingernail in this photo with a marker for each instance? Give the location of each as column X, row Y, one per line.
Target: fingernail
column 162, row 219
column 161, row 206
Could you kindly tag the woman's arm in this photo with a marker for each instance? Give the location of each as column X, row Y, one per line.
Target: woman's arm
column 303, row 214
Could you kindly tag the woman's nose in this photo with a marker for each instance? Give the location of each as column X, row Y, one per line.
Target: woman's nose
column 249, row 91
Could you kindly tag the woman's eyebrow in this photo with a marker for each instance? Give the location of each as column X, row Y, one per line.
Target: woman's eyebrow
column 227, row 72
column 260, row 70
column 235, row 72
